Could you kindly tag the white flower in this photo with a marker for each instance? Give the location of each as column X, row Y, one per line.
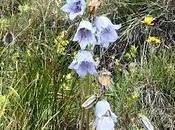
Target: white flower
column 105, row 118
column 101, row 108
column 104, row 123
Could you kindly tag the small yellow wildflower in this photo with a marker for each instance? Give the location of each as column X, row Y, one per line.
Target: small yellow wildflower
column 148, row 20
column 135, row 95
column 61, row 42
column 153, row 40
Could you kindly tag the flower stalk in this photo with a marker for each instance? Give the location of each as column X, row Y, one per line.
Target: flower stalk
column 98, row 30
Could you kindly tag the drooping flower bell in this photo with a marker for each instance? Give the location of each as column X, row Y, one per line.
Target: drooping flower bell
column 106, row 31
column 105, row 118
column 74, row 8
column 85, row 34
column 103, row 107
column 84, row 64
column 104, row 123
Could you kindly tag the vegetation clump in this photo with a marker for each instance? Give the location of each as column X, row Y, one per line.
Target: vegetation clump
column 135, row 66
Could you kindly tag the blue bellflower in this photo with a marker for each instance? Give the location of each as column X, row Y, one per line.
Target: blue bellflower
column 74, row 8
column 85, row 34
column 105, row 118
column 106, row 31
column 101, row 108
column 84, row 64
column 104, row 123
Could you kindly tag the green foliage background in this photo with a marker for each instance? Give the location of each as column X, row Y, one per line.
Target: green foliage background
column 39, row 92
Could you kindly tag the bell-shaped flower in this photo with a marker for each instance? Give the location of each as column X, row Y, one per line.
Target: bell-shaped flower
column 104, row 123
column 85, row 34
column 101, row 108
column 106, row 31
column 84, row 64
column 105, row 118
column 74, row 8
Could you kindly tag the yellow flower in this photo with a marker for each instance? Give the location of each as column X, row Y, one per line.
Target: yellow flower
column 148, row 20
column 135, row 95
column 153, row 40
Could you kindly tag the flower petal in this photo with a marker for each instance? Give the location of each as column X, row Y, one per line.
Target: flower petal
column 74, row 8
column 92, row 70
column 72, row 16
column 85, row 34
column 73, row 65
column 106, row 31
column 81, row 72
column 114, row 117
column 84, row 64
column 101, row 108
column 66, row 8
column 104, row 123
column 117, row 26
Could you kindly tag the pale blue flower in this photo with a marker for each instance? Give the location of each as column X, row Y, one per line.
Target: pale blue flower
column 105, row 118
column 106, row 31
column 85, row 34
column 104, row 123
column 84, row 64
column 101, row 108
column 74, row 8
